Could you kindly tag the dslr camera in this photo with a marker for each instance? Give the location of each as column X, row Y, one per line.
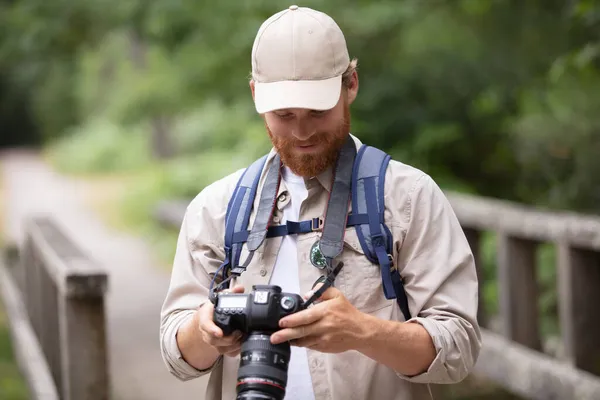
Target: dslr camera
column 263, row 368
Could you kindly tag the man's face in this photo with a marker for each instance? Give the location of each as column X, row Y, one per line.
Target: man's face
column 308, row 141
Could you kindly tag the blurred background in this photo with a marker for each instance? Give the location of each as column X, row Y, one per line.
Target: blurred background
column 120, row 104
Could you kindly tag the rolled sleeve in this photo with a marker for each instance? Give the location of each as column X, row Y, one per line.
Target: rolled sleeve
column 172, row 357
column 438, row 267
column 198, row 255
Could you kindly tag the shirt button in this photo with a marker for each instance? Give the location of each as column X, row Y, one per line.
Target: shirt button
column 263, row 272
column 282, row 197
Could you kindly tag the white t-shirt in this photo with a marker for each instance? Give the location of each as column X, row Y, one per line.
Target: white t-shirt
column 285, row 275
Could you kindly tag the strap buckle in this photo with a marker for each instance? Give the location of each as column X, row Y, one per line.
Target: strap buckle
column 317, row 224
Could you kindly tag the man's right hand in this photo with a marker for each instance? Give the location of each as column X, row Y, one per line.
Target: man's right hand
column 213, row 335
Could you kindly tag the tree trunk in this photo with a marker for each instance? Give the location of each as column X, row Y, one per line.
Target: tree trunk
column 161, row 139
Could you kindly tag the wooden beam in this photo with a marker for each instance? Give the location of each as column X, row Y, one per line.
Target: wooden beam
column 531, row 374
column 579, row 303
column 482, row 214
column 27, row 348
column 169, row 213
column 72, row 271
column 487, row 214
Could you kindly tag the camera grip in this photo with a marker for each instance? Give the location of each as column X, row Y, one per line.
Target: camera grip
column 224, row 323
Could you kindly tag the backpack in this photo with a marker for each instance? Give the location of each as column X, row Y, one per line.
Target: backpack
column 367, row 216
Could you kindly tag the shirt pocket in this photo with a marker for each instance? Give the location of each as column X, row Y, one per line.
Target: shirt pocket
column 360, row 279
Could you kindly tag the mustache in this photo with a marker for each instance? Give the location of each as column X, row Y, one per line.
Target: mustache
column 315, row 139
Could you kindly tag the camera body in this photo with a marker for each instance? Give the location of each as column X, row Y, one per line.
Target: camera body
column 263, row 369
column 259, row 310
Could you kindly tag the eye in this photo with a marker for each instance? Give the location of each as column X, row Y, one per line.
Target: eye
column 287, row 115
column 318, row 113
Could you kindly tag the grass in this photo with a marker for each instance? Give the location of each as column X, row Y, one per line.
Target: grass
column 12, row 384
column 104, row 194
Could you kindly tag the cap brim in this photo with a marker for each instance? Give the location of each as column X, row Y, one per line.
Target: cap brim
column 314, row 95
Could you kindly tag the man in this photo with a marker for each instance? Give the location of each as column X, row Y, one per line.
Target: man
column 354, row 343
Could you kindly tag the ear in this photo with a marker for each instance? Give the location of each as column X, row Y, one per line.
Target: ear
column 252, row 88
column 352, row 90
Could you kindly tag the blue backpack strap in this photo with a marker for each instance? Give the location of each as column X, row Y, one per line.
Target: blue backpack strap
column 238, row 214
column 368, row 182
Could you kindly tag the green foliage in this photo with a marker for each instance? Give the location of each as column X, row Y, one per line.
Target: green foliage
column 492, row 97
column 466, row 90
column 101, row 146
column 559, row 140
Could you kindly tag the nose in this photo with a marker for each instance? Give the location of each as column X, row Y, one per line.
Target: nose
column 303, row 130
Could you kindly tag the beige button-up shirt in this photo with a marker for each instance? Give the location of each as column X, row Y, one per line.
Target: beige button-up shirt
column 430, row 250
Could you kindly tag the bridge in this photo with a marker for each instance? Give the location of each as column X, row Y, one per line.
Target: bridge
column 84, row 322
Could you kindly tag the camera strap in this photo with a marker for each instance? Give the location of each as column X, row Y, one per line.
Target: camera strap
column 327, row 283
column 263, row 214
column 331, row 242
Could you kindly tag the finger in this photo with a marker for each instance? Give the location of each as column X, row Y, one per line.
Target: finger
column 330, row 293
column 287, row 334
column 237, row 289
column 304, row 317
column 208, row 326
column 229, row 340
column 308, row 341
column 205, row 320
column 312, row 291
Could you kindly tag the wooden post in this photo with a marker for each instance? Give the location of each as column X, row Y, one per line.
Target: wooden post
column 27, row 349
column 84, row 352
column 579, row 306
column 518, row 290
column 474, row 239
column 66, row 298
column 50, row 321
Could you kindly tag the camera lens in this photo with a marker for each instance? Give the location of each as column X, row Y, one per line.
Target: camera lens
column 263, row 368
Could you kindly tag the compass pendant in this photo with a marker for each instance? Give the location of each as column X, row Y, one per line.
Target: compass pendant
column 316, row 257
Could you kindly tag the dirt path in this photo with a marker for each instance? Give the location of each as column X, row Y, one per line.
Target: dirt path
column 136, row 285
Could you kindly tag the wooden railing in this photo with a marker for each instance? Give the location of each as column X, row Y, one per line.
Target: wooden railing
column 512, row 357
column 520, row 230
column 55, row 301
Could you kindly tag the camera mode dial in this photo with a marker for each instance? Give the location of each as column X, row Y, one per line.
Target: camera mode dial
column 287, row 303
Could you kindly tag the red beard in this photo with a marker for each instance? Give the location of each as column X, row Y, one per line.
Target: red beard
column 310, row 165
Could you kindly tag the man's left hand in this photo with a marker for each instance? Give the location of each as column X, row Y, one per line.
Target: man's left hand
column 331, row 326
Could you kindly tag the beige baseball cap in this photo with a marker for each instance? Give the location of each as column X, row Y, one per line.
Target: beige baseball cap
column 298, row 58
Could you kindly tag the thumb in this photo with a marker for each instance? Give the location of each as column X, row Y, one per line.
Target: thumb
column 238, row 289
column 330, row 293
